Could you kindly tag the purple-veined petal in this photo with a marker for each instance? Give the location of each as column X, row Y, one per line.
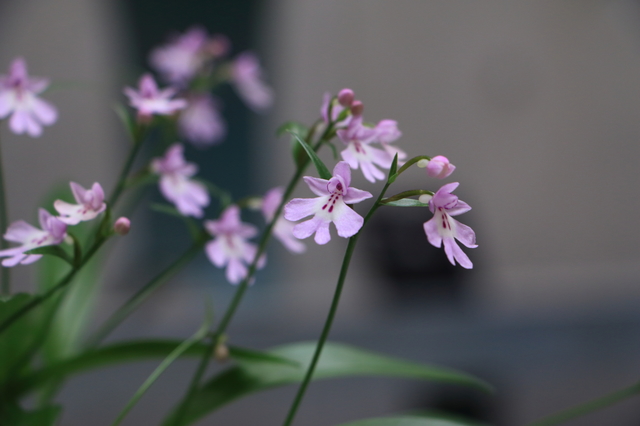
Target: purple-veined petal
column 44, row 111
column 355, row 195
column 343, row 170
column 453, row 251
column 316, row 185
column 215, row 253
column 307, row 228
column 459, row 208
column 322, row 233
column 21, row 232
column 465, row 234
column 299, row 208
column 371, row 172
column 236, row 271
column 347, row 221
column 431, row 230
column 348, row 156
column 283, row 231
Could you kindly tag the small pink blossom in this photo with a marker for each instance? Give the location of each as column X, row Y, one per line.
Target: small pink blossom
column 282, row 229
column 18, row 98
column 440, row 167
column 90, row 204
column 189, row 197
column 230, row 247
column 53, row 232
column 201, row 123
column 122, row 226
column 443, row 228
column 182, row 58
column 359, row 152
column 247, row 78
column 149, row 100
column 329, row 206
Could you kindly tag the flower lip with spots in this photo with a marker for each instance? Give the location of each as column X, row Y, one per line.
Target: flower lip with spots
column 53, row 232
column 442, row 228
column 90, row 204
column 18, row 98
column 330, row 206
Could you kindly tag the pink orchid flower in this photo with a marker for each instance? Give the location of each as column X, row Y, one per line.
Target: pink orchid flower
column 90, row 204
column 359, row 152
column 230, row 247
column 53, row 232
column 330, row 206
column 149, row 100
column 18, row 98
column 190, row 197
column 443, row 228
column 247, row 78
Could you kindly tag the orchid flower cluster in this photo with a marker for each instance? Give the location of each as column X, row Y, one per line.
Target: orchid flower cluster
column 192, row 65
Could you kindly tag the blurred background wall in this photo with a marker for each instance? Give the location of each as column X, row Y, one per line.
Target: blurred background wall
column 537, row 105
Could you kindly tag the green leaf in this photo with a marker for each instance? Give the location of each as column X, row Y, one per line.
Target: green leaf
column 56, row 251
column 393, row 170
column 410, row 421
column 292, row 127
column 323, row 171
column 136, row 351
column 337, row 360
column 175, row 354
column 406, row 202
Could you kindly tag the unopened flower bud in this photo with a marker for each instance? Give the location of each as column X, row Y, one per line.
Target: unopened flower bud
column 424, row 198
column 346, row 97
column 440, row 167
column 219, row 45
column 221, row 353
column 122, row 226
column 422, row 163
column 357, row 108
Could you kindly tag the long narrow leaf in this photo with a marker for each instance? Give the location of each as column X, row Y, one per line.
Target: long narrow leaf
column 337, row 360
column 197, row 336
column 323, row 171
column 136, row 351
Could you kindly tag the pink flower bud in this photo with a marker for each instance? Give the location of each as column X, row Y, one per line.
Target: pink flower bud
column 219, row 45
column 440, row 167
column 357, row 108
column 122, row 226
column 345, row 97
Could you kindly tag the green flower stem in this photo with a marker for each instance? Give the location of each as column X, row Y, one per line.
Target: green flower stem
column 130, row 305
column 411, row 162
column 138, row 139
column 242, row 287
column 407, row 194
column 198, row 336
column 589, row 407
column 5, row 275
column 332, row 312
